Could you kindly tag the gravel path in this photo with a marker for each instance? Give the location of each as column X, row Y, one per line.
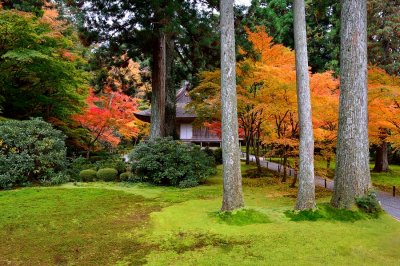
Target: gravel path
column 389, row 203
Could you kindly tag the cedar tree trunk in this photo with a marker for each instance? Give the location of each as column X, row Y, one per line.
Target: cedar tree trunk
column 352, row 175
column 157, row 126
column 381, row 160
column 170, row 101
column 306, row 192
column 233, row 196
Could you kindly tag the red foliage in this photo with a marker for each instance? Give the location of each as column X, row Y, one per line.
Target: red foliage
column 109, row 117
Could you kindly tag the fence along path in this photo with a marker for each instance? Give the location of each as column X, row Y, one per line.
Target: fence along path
column 389, row 203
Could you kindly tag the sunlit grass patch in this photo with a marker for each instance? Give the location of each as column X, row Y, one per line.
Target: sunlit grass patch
column 242, row 217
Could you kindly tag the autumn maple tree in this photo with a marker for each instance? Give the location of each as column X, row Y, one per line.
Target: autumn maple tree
column 108, row 118
column 267, row 104
column 384, row 114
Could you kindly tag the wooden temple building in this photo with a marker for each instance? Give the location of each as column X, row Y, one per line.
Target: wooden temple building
column 184, row 122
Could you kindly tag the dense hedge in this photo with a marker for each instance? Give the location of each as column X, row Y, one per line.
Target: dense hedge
column 110, row 161
column 164, row 161
column 31, row 151
column 107, row 174
column 88, row 175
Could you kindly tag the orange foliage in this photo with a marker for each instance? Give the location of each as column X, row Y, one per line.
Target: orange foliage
column 266, row 91
column 108, row 118
column 384, row 108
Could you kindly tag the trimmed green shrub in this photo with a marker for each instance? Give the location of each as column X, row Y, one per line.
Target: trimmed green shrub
column 88, row 175
column 129, row 177
column 165, row 161
column 112, row 162
column 107, row 174
column 124, row 177
column 76, row 165
column 31, row 151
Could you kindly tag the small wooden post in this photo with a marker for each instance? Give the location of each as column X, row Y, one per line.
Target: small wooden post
column 394, row 191
column 325, row 182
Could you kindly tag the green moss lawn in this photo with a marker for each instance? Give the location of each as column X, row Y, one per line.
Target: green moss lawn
column 136, row 224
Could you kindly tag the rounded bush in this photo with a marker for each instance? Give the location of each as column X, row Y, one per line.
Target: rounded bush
column 124, row 177
column 112, row 162
column 88, row 175
column 107, row 174
column 165, row 161
column 31, row 151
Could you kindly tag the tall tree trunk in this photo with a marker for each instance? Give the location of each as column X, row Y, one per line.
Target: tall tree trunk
column 233, row 196
column 306, row 193
column 381, row 159
column 170, row 101
column 157, row 126
column 352, row 175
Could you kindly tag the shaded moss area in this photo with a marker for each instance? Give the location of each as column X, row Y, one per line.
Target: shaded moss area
column 327, row 213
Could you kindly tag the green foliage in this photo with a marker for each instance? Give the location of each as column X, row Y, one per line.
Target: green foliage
column 76, row 165
column 59, row 178
column 88, row 175
column 112, row 162
column 242, row 217
column 34, row 6
column 129, row 177
column 125, row 177
column 41, row 70
column 107, row 174
column 322, row 28
column 383, row 35
column 30, row 151
column 169, row 162
column 326, row 212
column 218, row 156
column 369, row 204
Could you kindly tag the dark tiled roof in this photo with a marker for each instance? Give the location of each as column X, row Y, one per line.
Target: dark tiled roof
column 182, row 99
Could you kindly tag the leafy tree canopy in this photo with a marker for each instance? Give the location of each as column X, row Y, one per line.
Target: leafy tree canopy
column 41, row 69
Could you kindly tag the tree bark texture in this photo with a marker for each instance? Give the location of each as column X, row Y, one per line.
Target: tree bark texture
column 306, row 192
column 352, row 175
column 157, row 126
column 170, row 101
column 233, row 196
column 381, row 159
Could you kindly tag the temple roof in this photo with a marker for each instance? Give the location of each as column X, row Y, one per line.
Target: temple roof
column 182, row 115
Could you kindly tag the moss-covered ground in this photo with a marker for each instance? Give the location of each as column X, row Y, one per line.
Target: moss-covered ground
column 137, row 224
column 386, row 180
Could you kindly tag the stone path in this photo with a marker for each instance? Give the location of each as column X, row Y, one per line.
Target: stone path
column 389, row 203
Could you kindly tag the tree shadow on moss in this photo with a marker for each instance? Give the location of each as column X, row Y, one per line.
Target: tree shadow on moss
column 326, row 212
